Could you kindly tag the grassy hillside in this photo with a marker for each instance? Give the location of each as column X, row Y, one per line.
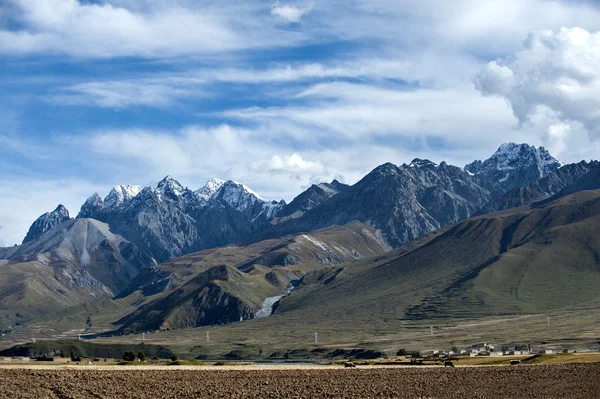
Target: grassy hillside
column 227, row 284
column 493, row 279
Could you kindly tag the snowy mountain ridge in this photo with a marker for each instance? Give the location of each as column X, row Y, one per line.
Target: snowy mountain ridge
column 168, row 219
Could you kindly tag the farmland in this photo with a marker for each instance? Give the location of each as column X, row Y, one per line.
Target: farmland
column 566, row 380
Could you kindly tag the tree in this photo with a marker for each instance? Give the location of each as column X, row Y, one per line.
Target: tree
column 142, row 356
column 455, row 349
column 174, row 358
column 129, row 356
column 401, row 352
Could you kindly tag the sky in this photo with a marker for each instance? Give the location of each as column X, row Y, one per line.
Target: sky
column 280, row 94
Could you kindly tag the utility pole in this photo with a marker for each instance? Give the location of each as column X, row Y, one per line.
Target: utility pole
column 143, row 336
column 548, row 321
column 431, row 331
column 207, row 336
column 316, row 338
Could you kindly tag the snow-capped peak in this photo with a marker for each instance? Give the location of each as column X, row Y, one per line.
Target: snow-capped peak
column 93, row 200
column 170, row 184
column 422, row 163
column 248, row 190
column 121, row 194
column 210, row 188
column 511, row 155
column 513, row 165
column 60, row 211
column 47, row 221
column 237, row 195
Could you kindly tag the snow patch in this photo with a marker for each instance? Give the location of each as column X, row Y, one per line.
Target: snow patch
column 210, row 189
column 316, row 242
column 120, row 195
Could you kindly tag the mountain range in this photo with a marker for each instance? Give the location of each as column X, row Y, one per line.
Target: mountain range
column 172, row 257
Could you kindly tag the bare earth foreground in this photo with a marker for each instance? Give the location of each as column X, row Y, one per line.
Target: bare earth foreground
column 552, row 381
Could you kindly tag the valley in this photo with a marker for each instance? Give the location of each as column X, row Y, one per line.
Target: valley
column 375, row 266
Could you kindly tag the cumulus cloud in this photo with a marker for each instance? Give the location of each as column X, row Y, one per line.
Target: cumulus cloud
column 290, row 13
column 288, row 164
column 558, row 71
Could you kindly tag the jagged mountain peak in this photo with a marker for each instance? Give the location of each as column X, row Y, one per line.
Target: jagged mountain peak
column 210, row 188
column 238, row 195
column 513, row 165
column 422, row 163
column 170, row 185
column 386, row 169
column 61, row 211
column 121, row 194
column 46, row 222
column 511, row 156
column 94, row 199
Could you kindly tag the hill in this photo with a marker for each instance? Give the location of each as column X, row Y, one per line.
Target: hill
column 236, row 283
column 537, row 260
column 74, row 263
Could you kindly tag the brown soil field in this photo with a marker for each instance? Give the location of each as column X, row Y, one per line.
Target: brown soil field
column 553, row 381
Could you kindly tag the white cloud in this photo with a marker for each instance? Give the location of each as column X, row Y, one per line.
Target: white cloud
column 359, row 112
column 121, row 94
column 106, row 30
column 293, row 164
column 290, row 13
column 557, row 70
column 195, row 154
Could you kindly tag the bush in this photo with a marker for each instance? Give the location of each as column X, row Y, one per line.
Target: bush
column 129, row 356
column 141, row 356
column 401, row 352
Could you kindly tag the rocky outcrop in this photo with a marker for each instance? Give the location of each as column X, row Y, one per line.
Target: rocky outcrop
column 541, row 188
column 402, row 202
column 314, row 196
column 47, row 221
column 512, row 166
column 170, row 220
column 85, row 248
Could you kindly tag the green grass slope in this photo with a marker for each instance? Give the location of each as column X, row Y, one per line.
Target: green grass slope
column 228, row 284
column 536, row 260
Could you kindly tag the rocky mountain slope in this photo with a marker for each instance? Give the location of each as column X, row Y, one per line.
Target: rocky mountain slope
column 75, row 263
column 47, row 221
column 169, row 220
column 314, row 196
column 84, row 247
column 511, row 166
column 234, row 283
column 542, row 188
column 589, row 181
column 401, row 202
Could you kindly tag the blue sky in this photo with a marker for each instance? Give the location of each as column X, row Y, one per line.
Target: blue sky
column 279, row 94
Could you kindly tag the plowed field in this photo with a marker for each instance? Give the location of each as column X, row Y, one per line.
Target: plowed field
column 554, row 381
